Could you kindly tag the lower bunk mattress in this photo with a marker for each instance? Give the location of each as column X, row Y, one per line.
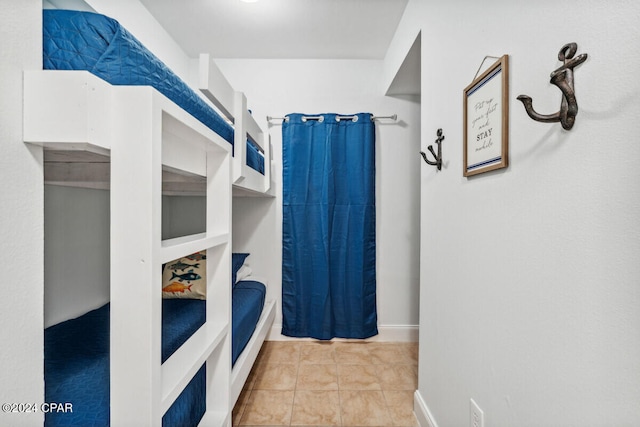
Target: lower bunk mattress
column 77, row 357
column 247, row 302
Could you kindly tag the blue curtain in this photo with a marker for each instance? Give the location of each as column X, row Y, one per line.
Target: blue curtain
column 329, row 227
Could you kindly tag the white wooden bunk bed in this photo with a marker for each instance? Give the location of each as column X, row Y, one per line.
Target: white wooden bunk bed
column 138, row 143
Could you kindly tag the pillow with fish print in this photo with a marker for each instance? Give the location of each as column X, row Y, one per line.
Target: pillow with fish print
column 186, row 277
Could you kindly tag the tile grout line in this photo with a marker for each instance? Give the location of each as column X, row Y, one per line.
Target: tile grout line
column 295, row 386
column 384, row 397
column 335, row 359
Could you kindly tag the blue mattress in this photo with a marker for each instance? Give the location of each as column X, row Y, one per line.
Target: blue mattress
column 77, row 357
column 255, row 159
column 74, row 40
column 247, row 302
column 76, row 367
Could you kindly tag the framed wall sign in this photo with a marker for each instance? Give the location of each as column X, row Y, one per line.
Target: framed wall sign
column 486, row 120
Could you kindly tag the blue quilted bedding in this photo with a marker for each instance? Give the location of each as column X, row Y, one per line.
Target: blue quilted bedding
column 77, row 357
column 247, row 302
column 76, row 367
column 255, row 159
column 74, row 40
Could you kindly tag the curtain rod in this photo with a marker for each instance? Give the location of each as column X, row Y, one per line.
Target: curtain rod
column 393, row 117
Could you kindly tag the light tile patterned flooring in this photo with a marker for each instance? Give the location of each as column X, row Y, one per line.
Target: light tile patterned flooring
column 304, row 383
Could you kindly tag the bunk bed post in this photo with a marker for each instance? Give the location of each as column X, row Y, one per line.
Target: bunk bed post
column 218, row 285
column 240, row 137
column 214, row 85
column 136, row 185
column 267, row 161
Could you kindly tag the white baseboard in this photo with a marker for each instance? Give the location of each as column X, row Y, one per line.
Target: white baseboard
column 386, row 333
column 421, row 410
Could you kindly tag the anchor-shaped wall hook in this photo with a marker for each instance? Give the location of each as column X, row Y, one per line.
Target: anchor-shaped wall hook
column 438, row 162
column 563, row 78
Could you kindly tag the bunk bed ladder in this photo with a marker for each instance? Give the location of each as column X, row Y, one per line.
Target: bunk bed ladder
column 145, row 126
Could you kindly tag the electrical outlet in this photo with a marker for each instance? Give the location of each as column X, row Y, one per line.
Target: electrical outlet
column 476, row 416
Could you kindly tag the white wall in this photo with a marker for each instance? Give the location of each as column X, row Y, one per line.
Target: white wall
column 278, row 87
column 530, row 301
column 76, row 252
column 183, row 216
column 21, row 218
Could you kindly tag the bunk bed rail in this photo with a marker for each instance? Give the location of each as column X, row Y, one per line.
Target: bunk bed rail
column 215, row 87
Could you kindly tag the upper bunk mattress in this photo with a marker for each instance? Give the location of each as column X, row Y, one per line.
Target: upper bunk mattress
column 75, row 40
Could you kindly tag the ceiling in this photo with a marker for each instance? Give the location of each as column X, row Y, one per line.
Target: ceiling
column 282, row 29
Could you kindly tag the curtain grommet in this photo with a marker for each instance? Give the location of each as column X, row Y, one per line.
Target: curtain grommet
column 353, row 118
column 304, row 119
column 321, row 119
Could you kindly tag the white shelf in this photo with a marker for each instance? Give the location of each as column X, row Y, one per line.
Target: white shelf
column 180, row 368
column 186, row 245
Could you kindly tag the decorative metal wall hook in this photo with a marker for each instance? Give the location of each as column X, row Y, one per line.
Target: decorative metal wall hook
column 438, row 157
column 563, row 79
